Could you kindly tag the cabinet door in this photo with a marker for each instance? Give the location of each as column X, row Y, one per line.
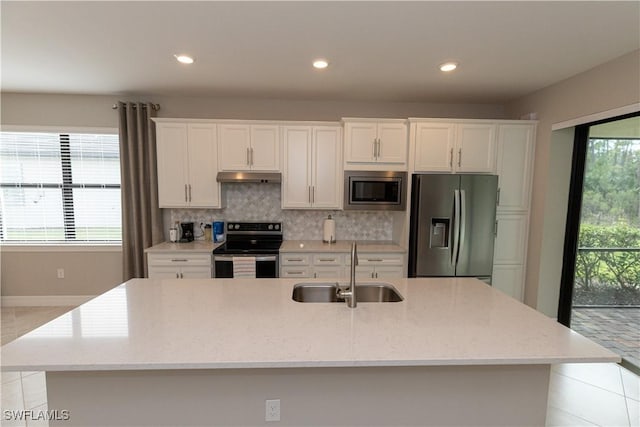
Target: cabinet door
column 195, row 273
column 171, row 143
column 434, row 147
column 360, row 141
column 204, row 191
column 233, row 147
column 388, row 272
column 335, row 272
column 509, row 279
column 476, row 148
column 265, row 148
column 164, row 272
column 296, row 182
column 364, row 272
column 511, row 239
column 327, row 178
column 515, row 154
column 393, row 143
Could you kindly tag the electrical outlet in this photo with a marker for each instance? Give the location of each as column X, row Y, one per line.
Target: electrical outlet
column 272, row 410
column 61, row 273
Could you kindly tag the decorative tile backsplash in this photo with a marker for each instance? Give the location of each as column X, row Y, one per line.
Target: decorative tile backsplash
column 261, row 202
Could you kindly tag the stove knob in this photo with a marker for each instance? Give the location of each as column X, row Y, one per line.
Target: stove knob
column 229, row 226
column 270, row 227
column 237, row 226
column 277, row 226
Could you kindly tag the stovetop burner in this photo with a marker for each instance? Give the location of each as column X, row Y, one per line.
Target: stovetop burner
column 251, row 238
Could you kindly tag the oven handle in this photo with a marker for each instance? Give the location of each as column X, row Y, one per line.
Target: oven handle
column 258, row 258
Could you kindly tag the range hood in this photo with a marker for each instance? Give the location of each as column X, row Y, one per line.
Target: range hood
column 259, row 177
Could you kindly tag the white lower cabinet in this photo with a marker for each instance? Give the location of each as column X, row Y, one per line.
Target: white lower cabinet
column 377, row 265
column 330, row 265
column 509, row 279
column 509, row 256
column 178, row 265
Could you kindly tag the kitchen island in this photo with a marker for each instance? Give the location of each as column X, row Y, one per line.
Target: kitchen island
column 210, row 352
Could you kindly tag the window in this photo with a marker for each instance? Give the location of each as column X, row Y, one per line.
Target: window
column 59, row 188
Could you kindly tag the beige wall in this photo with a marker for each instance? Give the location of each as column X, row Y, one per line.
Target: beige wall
column 606, row 87
column 33, row 272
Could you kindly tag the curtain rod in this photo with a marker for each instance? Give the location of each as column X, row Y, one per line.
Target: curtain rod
column 154, row 107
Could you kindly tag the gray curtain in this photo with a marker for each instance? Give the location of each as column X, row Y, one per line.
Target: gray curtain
column 141, row 216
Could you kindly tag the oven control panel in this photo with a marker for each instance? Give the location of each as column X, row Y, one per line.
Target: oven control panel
column 254, row 227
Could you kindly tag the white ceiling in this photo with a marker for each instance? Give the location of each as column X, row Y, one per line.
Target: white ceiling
column 377, row 50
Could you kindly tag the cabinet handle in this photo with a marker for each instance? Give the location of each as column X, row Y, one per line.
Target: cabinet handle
column 181, row 276
column 460, row 157
column 376, row 274
column 315, row 275
column 294, row 259
column 248, row 164
column 326, row 259
column 375, row 260
column 309, row 195
column 375, row 145
column 295, row 272
column 177, row 275
column 251, row 151
column 179, row 260
column 373, row 275
column 185, row 193
column 190, row 192
column 498, row 198
column 379, row 146
column 495, row 229
column 313, row 194
column 451, row 158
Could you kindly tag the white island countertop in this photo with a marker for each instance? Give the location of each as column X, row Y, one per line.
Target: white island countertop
column 235, row 323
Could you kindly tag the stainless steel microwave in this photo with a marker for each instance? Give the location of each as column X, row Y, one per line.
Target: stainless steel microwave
column 375, row 190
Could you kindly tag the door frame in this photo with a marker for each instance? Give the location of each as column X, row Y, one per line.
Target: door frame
column 572, row 228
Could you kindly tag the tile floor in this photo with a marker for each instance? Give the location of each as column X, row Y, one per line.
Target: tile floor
column 603, row 394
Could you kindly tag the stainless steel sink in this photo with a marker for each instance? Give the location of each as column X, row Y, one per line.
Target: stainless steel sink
column 327, row 292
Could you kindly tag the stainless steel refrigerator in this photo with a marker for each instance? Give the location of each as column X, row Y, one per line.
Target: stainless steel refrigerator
column 453, row 220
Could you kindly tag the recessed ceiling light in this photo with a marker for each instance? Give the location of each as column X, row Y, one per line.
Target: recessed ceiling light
column 320, row 63
column 184, row 59
column 448, row 66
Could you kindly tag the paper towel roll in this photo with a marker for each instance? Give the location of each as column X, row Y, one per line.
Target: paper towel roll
column 329, row 234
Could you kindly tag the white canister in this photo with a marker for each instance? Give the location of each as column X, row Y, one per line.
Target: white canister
column 329, row 232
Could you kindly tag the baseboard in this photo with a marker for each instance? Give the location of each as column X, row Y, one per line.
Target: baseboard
column 45, row 300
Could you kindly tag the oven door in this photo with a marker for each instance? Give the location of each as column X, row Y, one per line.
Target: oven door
column 267, row 266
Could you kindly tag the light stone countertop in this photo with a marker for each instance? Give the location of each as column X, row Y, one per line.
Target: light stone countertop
column 197, row 246
column 254, row 323
column 339, row 246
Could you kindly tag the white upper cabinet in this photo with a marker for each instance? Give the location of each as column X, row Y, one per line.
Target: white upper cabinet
column 475, row 148
column 187, row 165
column 515, row 166
column 375, row 144
column 312, row 171
column 248, row 147
column 454, row 147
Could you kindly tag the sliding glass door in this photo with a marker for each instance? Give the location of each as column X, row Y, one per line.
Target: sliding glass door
column 601, row 298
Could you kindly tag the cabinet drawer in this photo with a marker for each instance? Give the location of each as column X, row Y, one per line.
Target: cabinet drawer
column 327, row 259
column 293, row 272
column 294, row 259
column 378, row 259
column 179, row 259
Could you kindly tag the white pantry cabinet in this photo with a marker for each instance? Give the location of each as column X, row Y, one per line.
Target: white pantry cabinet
column 245, row 147
column 515, row 166
column 312, row 170
column 375, row 144
column 179, row 265
column 187, row 165
column 454, row 146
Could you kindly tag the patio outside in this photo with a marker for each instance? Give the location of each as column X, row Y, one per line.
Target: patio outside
column 606, row 293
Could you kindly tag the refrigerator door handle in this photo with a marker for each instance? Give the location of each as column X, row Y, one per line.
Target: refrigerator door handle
column 463, row 223
column 456, row 226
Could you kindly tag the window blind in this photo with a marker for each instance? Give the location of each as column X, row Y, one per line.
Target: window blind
column 59, row 188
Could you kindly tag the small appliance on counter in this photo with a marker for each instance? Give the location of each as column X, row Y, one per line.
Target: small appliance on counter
column 187, row 232
column 329, row 230
column 218, row 231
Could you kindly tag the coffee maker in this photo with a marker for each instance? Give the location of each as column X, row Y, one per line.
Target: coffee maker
column 187, row 232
